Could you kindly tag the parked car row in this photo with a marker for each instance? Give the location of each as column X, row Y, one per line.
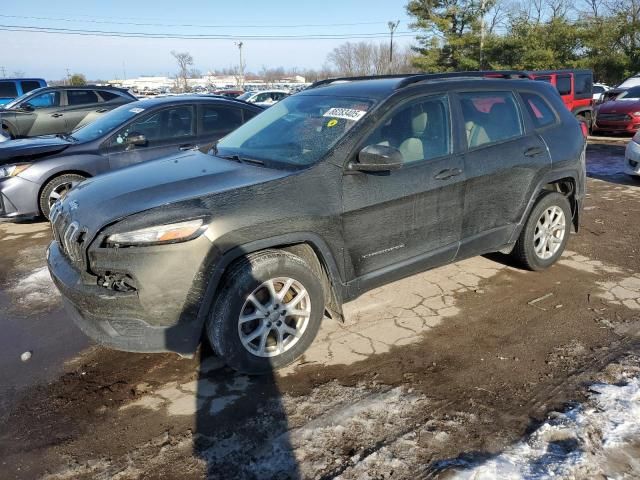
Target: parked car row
column 331, row 192
column 36, row 172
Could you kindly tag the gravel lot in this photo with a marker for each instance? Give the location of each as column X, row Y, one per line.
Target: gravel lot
column 476, row 368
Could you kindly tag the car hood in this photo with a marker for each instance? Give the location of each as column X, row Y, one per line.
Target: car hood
column 620, row 106
column 25, row 147
column 107, row 198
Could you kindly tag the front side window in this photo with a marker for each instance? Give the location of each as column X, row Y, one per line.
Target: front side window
column 297, row 131
column 107, row 123
column 563, row 84
column 539, row 110
column 490, row 117
column 166, row 125
column 631, row 94
column 420, row 130
column 45, row 100
column 81, row 97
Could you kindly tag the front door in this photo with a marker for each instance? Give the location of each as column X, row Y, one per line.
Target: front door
column 46, row 116
column 411, row 215
column 166, row 132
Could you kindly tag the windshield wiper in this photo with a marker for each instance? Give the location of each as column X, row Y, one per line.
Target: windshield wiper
column 66, row 136
column 239, row 159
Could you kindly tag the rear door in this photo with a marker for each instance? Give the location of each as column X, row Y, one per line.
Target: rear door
column 167, row 131
column 413, row 214
column 80, row 102
column 215, row 121
column 504, row 158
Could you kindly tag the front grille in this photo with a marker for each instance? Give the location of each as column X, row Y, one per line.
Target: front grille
column 633, row 163
column 613, row 117
column 69, row 235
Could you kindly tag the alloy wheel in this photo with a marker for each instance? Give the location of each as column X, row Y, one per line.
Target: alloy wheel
column 549, row 233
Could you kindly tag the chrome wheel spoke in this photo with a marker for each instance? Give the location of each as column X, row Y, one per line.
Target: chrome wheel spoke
column 549, row 233
column 262, row 328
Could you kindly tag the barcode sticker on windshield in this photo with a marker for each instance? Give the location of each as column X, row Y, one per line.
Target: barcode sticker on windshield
column 346, row 113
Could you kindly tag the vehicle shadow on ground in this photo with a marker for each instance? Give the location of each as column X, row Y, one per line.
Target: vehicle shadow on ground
column 241, row 429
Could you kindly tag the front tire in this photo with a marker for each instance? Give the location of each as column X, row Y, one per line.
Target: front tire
column 55, row 189
column 545, row 235
column 267, row 312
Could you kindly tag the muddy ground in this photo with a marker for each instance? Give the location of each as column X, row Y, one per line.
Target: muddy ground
column 449, row 366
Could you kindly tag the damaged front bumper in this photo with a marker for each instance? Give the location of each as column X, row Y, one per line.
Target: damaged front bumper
column 159, row 318
column 18, row 198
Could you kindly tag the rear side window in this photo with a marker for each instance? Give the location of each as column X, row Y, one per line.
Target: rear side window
column 539, row 110
column 220, row 120
column 107, row 96
column 248, row 114
column 490, row 117
column 8, row 90
column 28, row 85
column 81, row 97
column 583, row 83
column 545, row 78
column 563, row 84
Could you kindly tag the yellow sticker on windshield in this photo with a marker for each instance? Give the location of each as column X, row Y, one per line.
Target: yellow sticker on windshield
column 332, row 123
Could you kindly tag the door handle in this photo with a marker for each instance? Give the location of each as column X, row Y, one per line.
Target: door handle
column 448, row 173
column 56, row 115
column 533, row 152
column 102, row 110
column 183, row 148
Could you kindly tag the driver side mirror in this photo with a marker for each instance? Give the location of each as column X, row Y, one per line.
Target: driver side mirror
column 377, row 158
column 27, row 107
column 136, row 140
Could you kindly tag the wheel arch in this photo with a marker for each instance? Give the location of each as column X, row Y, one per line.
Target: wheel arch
column 311, row 247
column 56, row 174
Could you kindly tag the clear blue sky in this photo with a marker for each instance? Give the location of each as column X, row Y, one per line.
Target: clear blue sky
column 49, row 55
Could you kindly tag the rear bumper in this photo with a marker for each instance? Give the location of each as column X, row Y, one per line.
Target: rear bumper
column 18, row 198
column 120, row 320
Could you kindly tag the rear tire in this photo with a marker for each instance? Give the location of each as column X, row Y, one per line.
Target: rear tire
column 257, row 338
column 545, row 235
column 55, row 189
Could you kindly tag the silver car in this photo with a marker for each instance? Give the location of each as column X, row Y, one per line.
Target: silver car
column 632, row 156
column 36, row 172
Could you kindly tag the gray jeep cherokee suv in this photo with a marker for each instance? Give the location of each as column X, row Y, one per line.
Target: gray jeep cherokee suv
column 343, row 187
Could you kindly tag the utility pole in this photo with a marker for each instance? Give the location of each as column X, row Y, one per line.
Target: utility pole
column 392, row 28
column 241, row 67
column 124, row 71
column 483, row 4
column 68, row 77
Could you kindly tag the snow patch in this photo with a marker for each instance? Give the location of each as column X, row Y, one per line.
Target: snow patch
column 35, row 291
column 597, row 438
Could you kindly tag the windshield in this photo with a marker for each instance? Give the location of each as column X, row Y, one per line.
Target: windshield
column 16, row 101
column 106, row 122
column 299, row 130
column 245, row 95
column 631, row 94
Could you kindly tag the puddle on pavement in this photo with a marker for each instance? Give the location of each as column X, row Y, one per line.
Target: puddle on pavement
column 51, row 337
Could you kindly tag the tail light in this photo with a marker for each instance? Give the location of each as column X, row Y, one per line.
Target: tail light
column 585, row 129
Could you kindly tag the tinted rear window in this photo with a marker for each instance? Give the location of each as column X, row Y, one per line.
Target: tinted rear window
column 563, row 84
column 490, row 117
column 28, row 85
column 81, row 97
column 584, row 83
column 8, row 90
column 539, row 110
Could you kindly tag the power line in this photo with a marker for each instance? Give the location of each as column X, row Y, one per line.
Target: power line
column 189, row 24
column 103, row 33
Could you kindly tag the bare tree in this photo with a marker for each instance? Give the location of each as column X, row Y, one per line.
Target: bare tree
column 363, row 58
column 185, row 60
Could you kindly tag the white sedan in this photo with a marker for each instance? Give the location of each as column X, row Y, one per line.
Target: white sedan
column 264, row 98
column 632, row 156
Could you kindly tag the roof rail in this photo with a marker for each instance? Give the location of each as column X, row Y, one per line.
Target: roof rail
column 409, row 78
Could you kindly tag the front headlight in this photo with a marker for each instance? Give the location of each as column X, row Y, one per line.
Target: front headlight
column 172, row 233
column 13, row 170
